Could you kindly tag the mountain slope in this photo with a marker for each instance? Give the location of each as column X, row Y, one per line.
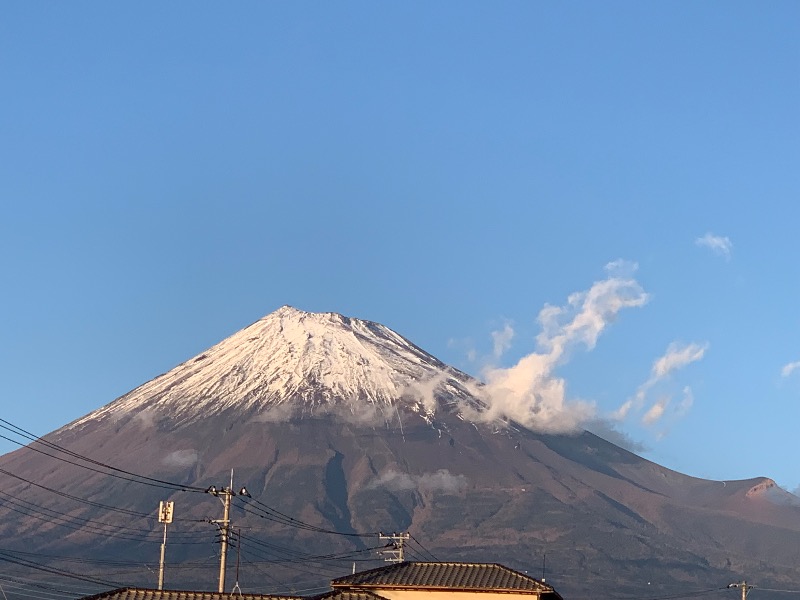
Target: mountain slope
column 293, row 363
column 347, row 427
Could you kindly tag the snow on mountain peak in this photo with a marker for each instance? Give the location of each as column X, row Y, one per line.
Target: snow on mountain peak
column 294, row 362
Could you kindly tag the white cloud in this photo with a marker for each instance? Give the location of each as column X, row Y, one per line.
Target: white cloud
column 790, row 368
column 181, row 458
column 439, row 481
column 718, row 244
column 656, row 411
column 502, row 340
column 677, row 357
column 686, row 402
column 622, row 267
column 622, row 411
column 424, row 391
column 359, row 413
column 530, row 392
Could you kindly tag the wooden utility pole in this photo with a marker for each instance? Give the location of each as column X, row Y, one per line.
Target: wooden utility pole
column 742, row 586
column 224, row 524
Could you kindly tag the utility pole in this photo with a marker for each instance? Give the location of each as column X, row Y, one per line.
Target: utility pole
column 224, row 524
column 165, row 511
column 742, row 586
column 396, row 541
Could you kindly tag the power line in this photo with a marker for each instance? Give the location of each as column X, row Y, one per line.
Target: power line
column 685, row 594
column 145, row 480
column 64, row 589
column 265, row 511
column 428, row 552
column 53, row 571
column 103, row 562
column 84, row 500
column 13, row 583
column 72, row 522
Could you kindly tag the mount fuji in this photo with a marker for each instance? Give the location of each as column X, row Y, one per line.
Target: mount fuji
column 340, row 429
column 292, row 364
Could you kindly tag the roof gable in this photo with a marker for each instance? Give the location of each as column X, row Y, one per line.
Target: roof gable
column 450, row 576
column 131, row 593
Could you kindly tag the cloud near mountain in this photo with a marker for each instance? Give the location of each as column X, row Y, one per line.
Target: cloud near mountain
column 530, row 392
column 181, row 458
column 438, row 481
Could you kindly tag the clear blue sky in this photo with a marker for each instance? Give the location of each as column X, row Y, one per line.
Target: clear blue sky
column 171, row 172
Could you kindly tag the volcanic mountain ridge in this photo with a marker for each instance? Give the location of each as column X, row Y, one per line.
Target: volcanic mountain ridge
column 348, row 428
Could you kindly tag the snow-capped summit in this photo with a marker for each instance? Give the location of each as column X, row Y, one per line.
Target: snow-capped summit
column 292, row 363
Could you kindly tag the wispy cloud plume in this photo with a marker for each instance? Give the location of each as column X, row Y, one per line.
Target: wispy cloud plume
column 790, row 368
column 686, row 402
column 530, row 392
column 676, row 357
column 502, row 340
column 656, row 411
column 439, row 481
column 718, row 244
column 181, row 458
column 424, row 391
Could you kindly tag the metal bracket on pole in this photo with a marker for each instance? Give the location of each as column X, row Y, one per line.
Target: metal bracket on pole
column 396, row 541
column 744, row 586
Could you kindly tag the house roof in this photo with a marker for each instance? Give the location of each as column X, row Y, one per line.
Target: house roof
column 449, row 576
column 348, row 595
column 131, row 593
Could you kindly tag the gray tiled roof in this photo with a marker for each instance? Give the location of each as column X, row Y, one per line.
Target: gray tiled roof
column 348, row 595
column 148, row 594
column 451, row 576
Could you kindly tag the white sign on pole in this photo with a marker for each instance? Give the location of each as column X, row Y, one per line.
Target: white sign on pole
column 165, row 510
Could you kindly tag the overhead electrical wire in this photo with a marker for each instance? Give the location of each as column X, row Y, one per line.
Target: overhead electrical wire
column 283, row 556
column 290, row 588
column 292, row 562
column 334, row 556
column 126, row 511
column 259, row 567
column 96, row 561
column 278, row 550
column 23, row 592
column 62, row 572
column 61, row 519
column 428, row 552
column 39, row 589
column 319, row 572
column 267, row 512
column 677, row 596
column 64, row 589
column 105, row 532
column 262, row 510
column 133, row 477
